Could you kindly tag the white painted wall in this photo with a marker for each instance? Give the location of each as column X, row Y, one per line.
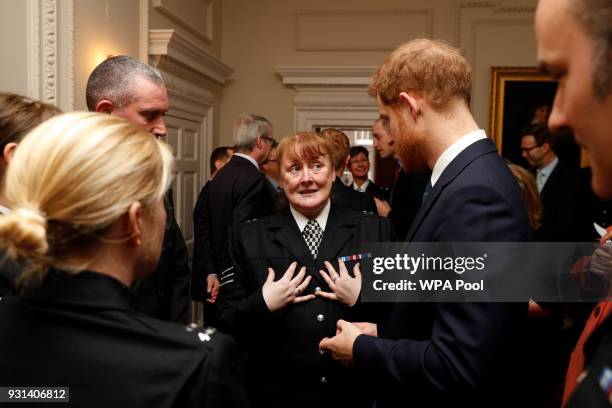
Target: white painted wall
column 102, row 28
column 253, row 37
column 13, row 47
column 258, row 36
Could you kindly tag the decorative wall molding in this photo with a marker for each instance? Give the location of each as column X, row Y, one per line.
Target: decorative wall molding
column 494, row 33
column 330, row 96
column 495, row 7
column 307, row 119
column 189, row 71
column 50, row 36
column 49, row 43
column 197, row 62
column 333, row 97
column 342, row 30
column 338, row 76
column 204, row 33
column 143, row 27
column 34, row 53
column 193, row 79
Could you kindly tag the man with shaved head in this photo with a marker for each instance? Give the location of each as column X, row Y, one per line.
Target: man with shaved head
column 129, row 88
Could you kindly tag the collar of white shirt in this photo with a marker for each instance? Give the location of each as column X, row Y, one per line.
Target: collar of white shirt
column 321, row 218
column 545, row 171
column 249, row 158
column 453, row 151
column 363, row 187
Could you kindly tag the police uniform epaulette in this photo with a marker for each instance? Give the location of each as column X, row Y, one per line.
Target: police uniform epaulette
column 368, row 213
column 205, row 334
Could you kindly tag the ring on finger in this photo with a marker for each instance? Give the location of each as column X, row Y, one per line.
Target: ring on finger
column 296, row 291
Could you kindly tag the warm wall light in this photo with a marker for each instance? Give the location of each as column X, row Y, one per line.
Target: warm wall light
column 98, row 57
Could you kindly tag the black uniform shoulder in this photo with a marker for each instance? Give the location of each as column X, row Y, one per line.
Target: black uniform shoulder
column 367, row 213
column 250, row 224
column 190, row 336
column 371, row 224
column 357, row 215
column 252, row 230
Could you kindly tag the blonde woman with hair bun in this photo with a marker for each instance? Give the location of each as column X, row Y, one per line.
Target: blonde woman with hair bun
column 87, row 222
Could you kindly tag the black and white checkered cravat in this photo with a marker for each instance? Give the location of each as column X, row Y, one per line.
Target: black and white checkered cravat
column 312, row 235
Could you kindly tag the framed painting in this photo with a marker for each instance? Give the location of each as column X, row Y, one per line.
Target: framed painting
column 521, row 96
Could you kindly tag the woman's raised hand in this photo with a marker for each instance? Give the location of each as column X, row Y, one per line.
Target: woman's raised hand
column 278, row 294
column 345, row 288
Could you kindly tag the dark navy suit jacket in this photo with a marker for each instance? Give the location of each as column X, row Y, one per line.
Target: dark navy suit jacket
column 454, row 353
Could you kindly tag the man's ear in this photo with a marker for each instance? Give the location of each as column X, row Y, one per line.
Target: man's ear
column 261, row 142
column 135, row 220
column 8, row 152
column 218, row 164
column 347, row 160
column 545, row 147
column 412, row 102
column 105, row 106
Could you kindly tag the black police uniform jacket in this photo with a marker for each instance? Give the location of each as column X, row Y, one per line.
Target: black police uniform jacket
column 82, row 332
column 285, row 367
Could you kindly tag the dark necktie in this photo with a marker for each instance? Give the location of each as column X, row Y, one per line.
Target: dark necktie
column 428, row 189
column 312, row 235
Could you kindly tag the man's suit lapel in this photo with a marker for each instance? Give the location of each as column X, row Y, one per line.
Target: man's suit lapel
column 551, row 183
column 454, row 168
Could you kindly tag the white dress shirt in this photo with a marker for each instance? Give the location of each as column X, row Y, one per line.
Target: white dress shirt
column 545, row 172
column 363, row 187
column 453, row 151
column 301, row 220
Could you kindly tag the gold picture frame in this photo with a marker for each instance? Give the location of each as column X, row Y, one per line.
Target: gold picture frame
column 516, row 92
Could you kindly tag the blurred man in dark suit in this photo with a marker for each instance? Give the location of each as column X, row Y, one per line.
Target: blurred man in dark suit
column 270, row 168
column 239, row 192
column 557, row 185
column 203, row 284
column 407, row 192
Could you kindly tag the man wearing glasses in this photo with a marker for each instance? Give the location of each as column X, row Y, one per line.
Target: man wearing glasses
column 239, row 192
column 557, row 185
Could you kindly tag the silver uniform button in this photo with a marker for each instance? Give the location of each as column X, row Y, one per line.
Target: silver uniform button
column 323, row 380
column 320, row 317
